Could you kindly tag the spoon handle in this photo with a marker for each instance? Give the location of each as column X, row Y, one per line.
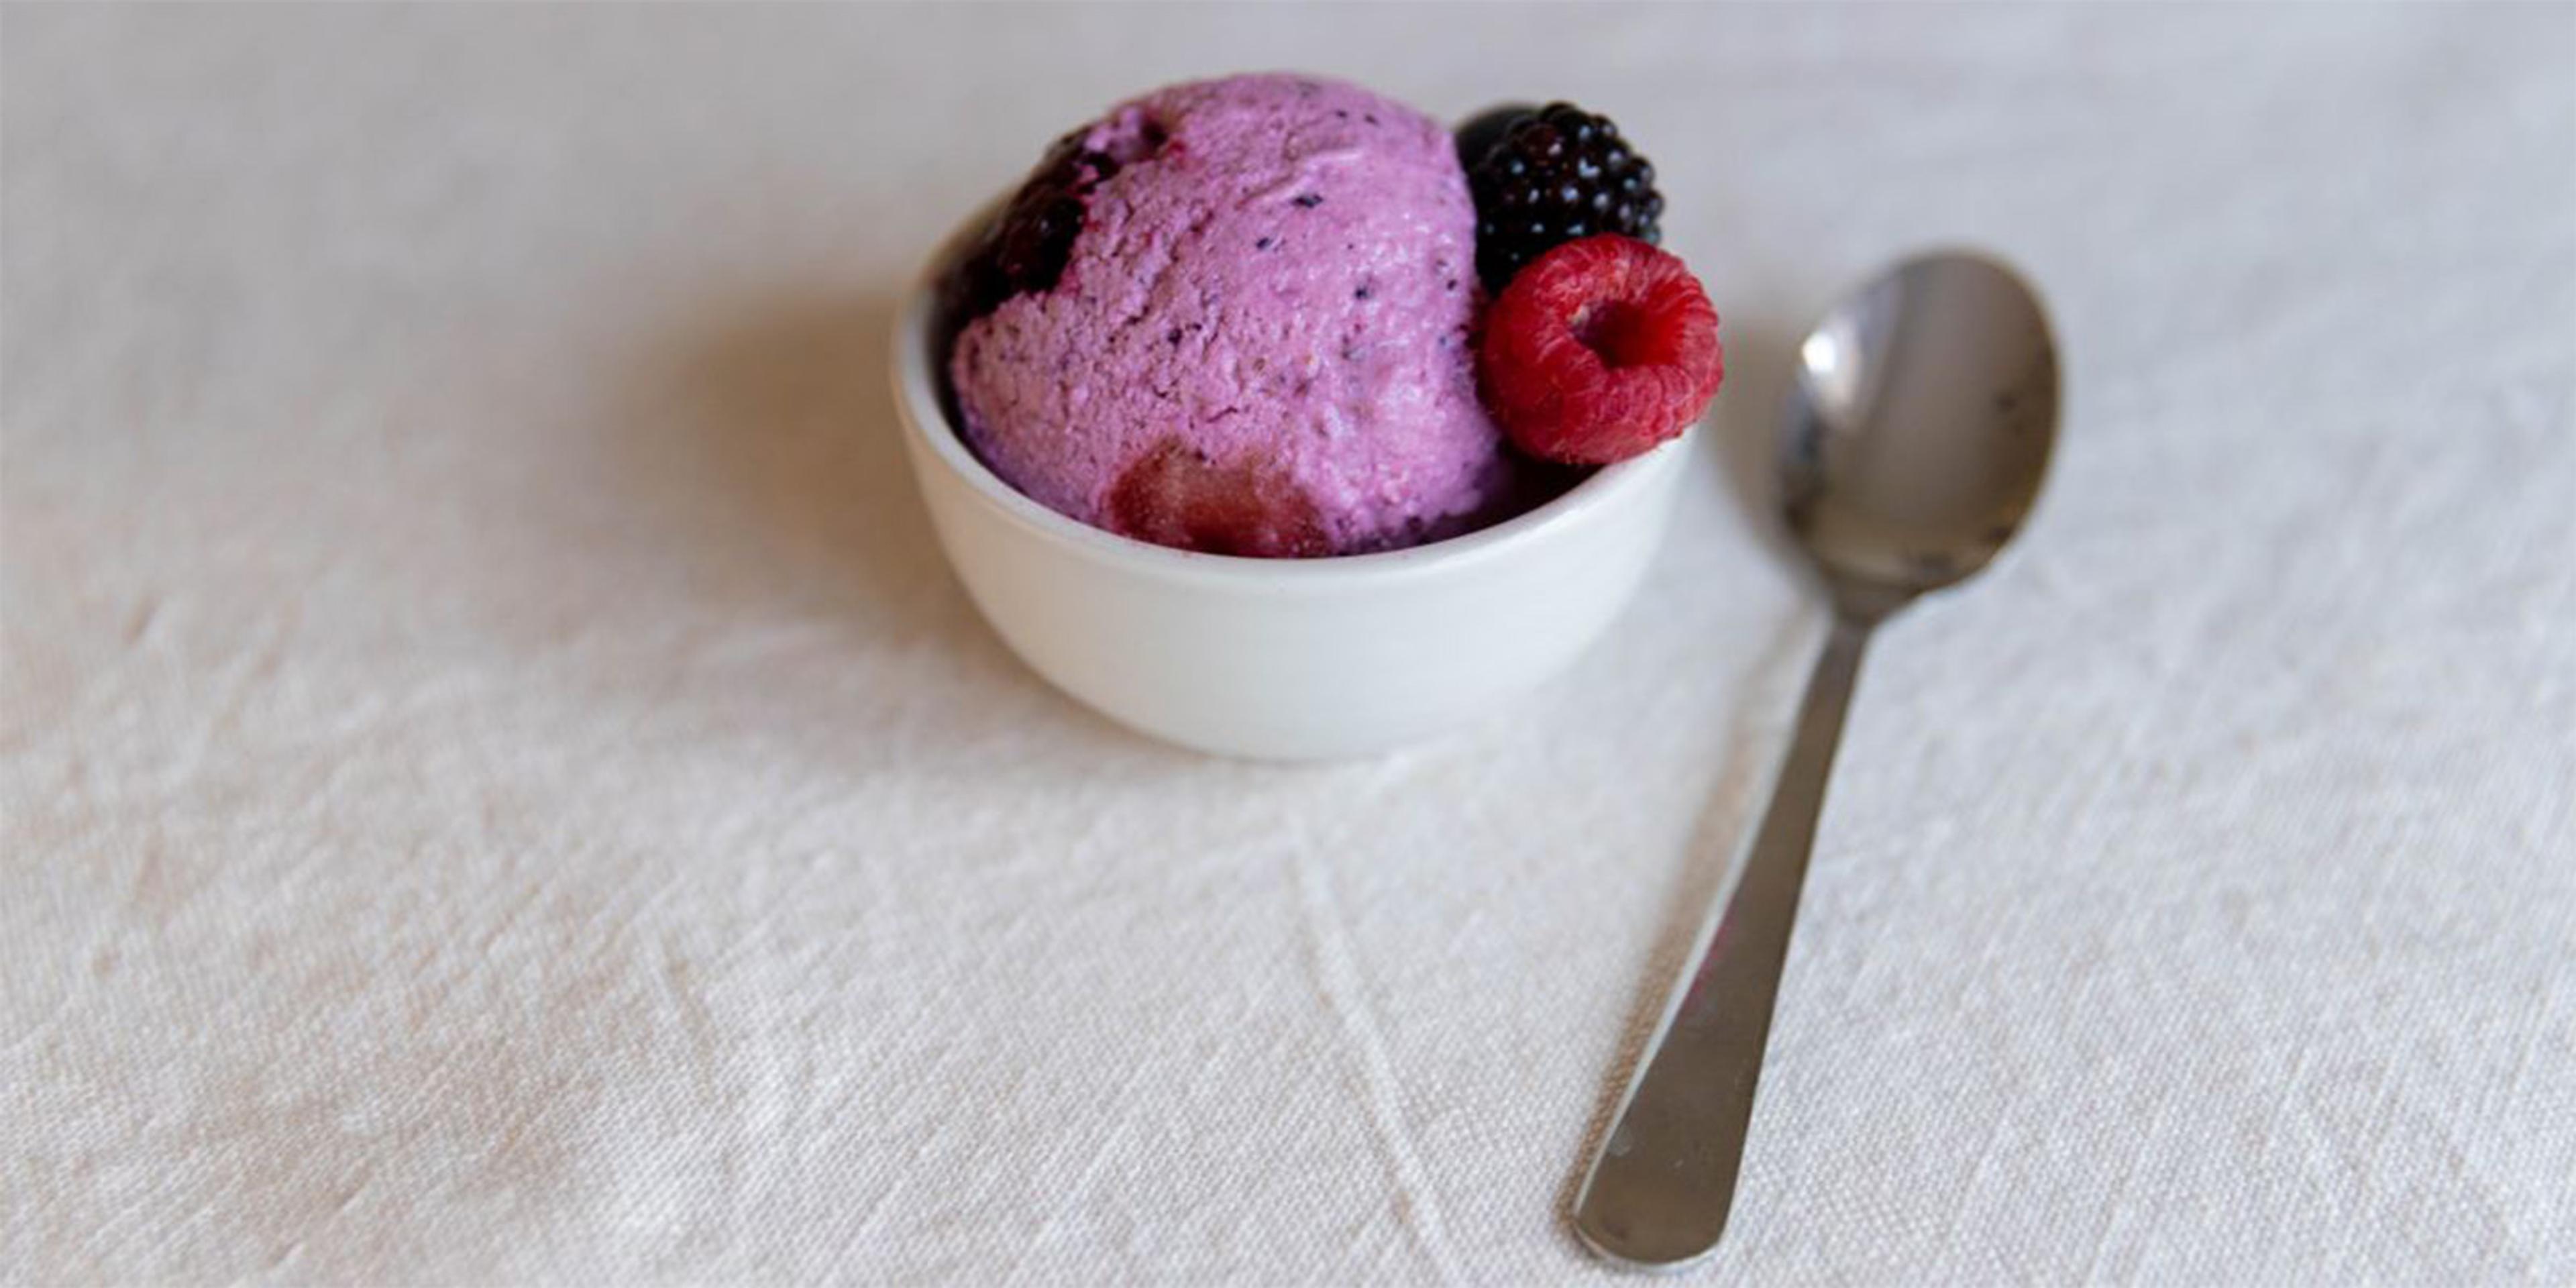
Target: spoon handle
column 1659, row 1190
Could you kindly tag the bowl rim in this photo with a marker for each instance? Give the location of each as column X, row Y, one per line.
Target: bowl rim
column 925, row 420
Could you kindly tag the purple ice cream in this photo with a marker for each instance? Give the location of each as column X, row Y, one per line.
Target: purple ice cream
column 1259, row 341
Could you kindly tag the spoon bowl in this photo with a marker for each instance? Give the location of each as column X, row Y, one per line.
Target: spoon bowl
column 1917, row 431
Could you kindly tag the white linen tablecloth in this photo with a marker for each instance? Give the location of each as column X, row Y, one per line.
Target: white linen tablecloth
column 499, row 785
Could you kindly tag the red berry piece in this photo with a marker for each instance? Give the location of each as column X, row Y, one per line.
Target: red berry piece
column 1601, row 349
column 1173, row 496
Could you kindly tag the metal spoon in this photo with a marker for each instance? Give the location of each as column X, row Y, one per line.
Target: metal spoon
column 1913, row 446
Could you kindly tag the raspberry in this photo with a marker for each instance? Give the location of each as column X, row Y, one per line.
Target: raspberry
column 1173, row 496
column 1600, row 350
column 1550, row 177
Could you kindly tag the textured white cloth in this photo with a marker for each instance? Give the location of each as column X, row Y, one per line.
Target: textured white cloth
column 499, row 785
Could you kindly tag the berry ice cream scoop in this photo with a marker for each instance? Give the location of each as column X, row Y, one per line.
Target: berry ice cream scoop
column 1238, row 316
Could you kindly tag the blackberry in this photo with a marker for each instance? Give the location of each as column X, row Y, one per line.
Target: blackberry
column 1482, row 131
column 1027, row 245
column 1553, row 176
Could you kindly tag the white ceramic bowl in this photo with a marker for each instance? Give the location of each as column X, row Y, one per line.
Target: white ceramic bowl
column 1295, row 659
